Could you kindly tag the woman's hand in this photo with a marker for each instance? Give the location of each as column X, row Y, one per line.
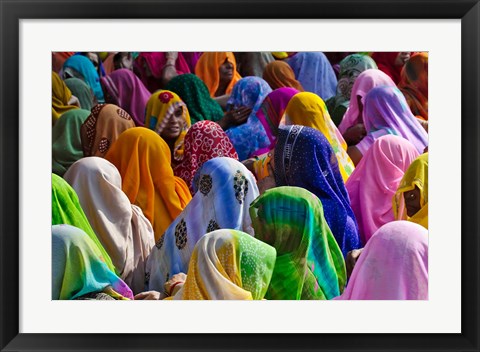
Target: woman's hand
column 351, row 260
column 148, row 296
column 355, row 134
column 235, row 117
column 175, row 283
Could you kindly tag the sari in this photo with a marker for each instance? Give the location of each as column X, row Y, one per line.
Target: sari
column 66, row 209
column 207, row 70
column 160, row 111
column 386, row 112
column 250, row 136
column 61, row 95
column 102, row 128
column 205, row 140
column 350, row 67
column 309, row 262
column 308, row 109
column 228, row 265
column 375, row 180
column 253, row 63
column 386, row 63
column 195, row 95
column 314, row 72
column 150, row 66
column 304, row 158
column 414, row 84
column 416, row 175
column 80, row 66
column 224, row 190
column 279, row 74
column 143, row 159
column 66, row 140
column 271, row 112
column 79, row 269
column 121, row 227
column 392, row 266
column 123, row 88
column 82, row 91
column 365, row 82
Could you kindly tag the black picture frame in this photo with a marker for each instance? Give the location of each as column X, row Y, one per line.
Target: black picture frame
column 13, row 10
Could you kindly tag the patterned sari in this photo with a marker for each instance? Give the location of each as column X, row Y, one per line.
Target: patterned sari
column 102, row 128
column 228, row 265
column 309, row 261
column 304, row 158
column 224, row 190
column 205, row 140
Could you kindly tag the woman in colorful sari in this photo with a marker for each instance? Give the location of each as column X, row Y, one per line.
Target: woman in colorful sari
column 350, row 68
column 81, row 67
column 66, row 209
column 82, row 91
column 218, row 70
column 121, row 227
column 224, row 190
column 205, row 140
column 352, row 125
column 62, row 98
column 123, row 88
column 375, row 180
column 66, row 140
column 309, row 262
column 391, row 63
column 228, row 265
column 314, row 72
column 411, row 199
column 308, row 109
column 304, row 158
column 386, row 112
column 156, row 69
column 194, row 93
column 143, row 159
column 247, row 138
column 102, row 127
column 414, row 84
column 168, row 116
column 392, row 266
column 79, row 270
column 279, row 74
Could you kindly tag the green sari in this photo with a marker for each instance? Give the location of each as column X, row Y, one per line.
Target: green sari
column 309, row 263
column 66, row 209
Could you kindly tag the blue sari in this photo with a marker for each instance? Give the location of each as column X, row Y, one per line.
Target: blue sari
column 250, row 136
column 83, row 66
column 304, row 158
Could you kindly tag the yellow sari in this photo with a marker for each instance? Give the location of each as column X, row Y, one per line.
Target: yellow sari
column 160, row 110
column 61, row 95
column 416, row 175
column 308, row 109
column 143, row 159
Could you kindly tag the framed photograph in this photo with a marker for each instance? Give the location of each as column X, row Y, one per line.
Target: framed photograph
column 32, row 30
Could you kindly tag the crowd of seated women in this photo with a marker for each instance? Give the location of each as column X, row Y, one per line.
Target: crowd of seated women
column 239, row 176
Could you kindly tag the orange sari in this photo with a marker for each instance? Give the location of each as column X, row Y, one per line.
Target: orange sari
column 207, row 69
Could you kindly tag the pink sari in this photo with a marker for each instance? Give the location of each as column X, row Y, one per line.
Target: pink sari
column 392, row 266
column 365, row 82
column 375, row 180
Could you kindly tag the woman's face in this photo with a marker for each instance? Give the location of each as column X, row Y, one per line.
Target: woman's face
column 173, row 129
column 226, row 71
column 412, row 201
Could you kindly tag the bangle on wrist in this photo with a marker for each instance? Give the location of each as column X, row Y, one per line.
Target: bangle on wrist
column 167, row 64
column 173, row 286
